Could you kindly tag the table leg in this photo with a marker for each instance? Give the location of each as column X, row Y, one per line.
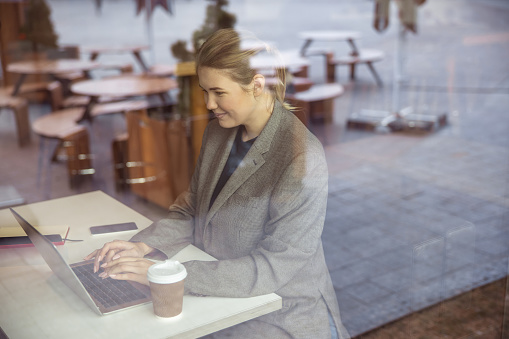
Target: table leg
column 355, row 50
column 17, row 87
column 352, row 71
column 140, row 60
column 87, row 115
column 305, row 46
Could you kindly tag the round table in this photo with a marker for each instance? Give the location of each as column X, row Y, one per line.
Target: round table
column 51, row 67
column 123, row 86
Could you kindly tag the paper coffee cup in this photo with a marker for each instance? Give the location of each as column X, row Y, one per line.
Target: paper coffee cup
column 167, row 287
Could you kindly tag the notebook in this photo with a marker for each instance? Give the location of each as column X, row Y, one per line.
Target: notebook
column 104, row 296
column 11, row 237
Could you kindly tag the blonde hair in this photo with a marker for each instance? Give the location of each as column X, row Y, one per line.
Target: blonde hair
column 223, row 51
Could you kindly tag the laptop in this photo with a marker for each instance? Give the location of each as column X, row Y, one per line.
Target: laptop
column 104, row 296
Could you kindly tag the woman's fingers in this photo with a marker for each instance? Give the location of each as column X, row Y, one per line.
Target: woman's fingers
column 117, row 249
column 91, row 255
column 127, row 268
column 110, row 248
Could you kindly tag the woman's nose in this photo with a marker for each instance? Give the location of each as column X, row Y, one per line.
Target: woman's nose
column 211, row 103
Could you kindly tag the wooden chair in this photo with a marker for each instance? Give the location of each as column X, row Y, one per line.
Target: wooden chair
column 72, row 138
column 19, row 107
column 365, row 56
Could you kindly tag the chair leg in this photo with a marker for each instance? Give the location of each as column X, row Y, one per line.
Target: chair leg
column 56, row 152
column 44, row 168
column 40, row 160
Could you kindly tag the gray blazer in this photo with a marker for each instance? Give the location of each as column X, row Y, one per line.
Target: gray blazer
column 264, row 228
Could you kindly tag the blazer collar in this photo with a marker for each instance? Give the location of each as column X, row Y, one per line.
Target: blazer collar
column 253, row 160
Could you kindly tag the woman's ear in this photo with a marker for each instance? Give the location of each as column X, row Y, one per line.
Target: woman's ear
column 259, row 84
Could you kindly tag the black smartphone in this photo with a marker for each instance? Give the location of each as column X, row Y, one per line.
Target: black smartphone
column 126, row 226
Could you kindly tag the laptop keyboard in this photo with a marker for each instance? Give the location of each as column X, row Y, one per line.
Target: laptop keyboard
column 108, row 292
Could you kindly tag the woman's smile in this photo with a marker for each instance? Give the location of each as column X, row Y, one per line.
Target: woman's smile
column 219, row 115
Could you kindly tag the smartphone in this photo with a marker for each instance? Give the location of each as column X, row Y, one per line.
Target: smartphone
column 126, row 226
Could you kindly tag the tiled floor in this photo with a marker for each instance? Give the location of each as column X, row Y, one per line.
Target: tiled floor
column 411, row 219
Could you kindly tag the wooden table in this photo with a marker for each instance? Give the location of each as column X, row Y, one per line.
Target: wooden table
column 136, row 50
column 123, row 86
column 36, row 304
column 50, row 67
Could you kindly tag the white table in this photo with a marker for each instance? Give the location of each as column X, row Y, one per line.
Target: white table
column 310, row 36
column 36, row 304
column 122, row 87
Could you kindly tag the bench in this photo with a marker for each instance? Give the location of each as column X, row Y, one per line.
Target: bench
column 365, row 56
column 19, row 107
column 52, row 90
column 297, row 84
column 162, row 70
column 317, row 102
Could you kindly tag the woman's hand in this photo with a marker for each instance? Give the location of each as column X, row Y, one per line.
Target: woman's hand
column 127, row 268
column 117, row 249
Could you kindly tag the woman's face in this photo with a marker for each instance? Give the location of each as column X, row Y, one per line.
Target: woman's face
column 231, row 104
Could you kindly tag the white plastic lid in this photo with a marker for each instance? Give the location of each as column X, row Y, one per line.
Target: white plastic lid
column 167, row 272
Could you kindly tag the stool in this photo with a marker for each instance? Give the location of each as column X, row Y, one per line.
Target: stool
column 19, row 107
column 365, row 56
column 318, row 101
column 72, row 138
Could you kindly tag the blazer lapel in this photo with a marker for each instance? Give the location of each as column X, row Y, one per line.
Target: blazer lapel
column 222, row 152
column 253, row 160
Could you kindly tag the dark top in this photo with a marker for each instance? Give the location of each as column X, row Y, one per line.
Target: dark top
column 237, row 153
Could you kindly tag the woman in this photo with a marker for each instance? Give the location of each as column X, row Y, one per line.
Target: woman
column 256, row 202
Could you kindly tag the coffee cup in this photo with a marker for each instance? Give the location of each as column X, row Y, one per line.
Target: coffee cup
column 167, row 287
